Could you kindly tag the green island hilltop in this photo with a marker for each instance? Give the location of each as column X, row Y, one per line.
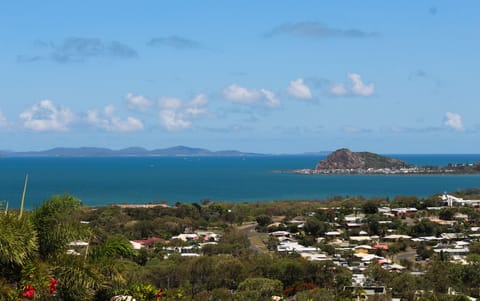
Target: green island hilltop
column 344, row 161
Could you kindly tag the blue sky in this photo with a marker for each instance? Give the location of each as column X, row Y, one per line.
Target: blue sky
column 264, row 76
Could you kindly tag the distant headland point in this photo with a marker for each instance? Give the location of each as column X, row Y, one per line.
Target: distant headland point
column 344, row 161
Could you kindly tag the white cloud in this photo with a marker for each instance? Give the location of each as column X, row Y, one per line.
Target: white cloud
column 45, row 116
column 453, row 121
column 358, row 87
column 270, row 98
column 238, row 94
column 173, row 120
column 197, row 105
column 138, row 102
column 170, row 103
column 298, row 89
column 107, row 120
column 338, row 89
column 176, row 114
column 3, row 121
column 199, row 100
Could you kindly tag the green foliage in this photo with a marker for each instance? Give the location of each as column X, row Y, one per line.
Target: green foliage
column 316, row 294
column 474, row 247
column 328, row 275
column 402, row 201
column 424, row 251
column 18, row 240
column 377, row 275
column 290, row 270
column 143, row 292
column 110, row 266
column 37, row 274
column 370, row 207
column 221, row 294
column 7, row 291
column 404, row 285
column 263, row 220
column 259, row 288
column 115, row 246
column 426, row 227
column 315, row 227
column 77, row 280
column 447, row 213
column 234, row 242
column 57, row 223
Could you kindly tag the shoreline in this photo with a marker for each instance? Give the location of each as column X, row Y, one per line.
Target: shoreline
column 380, row 172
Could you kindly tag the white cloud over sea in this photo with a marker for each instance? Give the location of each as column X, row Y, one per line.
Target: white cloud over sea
column 3, row 121
column 109, row 121
column 238, row 94
column 298, row 89
column 177, row 114
column 453, row 121
column 45, row 116
column 357, row 87
column 138, row 102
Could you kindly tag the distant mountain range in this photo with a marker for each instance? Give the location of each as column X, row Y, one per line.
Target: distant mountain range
column 126, row 152
column 133, row 152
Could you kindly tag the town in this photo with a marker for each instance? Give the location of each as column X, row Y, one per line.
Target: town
column 344, row 248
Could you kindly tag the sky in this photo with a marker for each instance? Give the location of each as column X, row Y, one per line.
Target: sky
column 258, row 76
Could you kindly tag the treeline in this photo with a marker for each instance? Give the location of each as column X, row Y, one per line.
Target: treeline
column 34, row 247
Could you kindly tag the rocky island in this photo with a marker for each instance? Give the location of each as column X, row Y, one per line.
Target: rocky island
column 344, row 161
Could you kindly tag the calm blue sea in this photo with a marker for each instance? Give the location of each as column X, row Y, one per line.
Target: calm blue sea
column 101, row 181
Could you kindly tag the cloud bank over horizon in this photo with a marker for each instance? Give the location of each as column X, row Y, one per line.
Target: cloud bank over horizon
column 314, row 75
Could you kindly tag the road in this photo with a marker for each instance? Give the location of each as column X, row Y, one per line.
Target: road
column 255, row 238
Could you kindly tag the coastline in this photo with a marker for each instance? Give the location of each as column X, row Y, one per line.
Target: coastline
column 383, row 171
column 104, row 181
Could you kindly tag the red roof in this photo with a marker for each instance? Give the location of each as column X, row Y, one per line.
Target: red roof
column 149, row 241
column 380, row 247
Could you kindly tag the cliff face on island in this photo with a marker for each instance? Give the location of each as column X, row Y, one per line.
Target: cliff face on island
column 346, row 159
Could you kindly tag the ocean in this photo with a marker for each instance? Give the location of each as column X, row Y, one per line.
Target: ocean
column 103, row 181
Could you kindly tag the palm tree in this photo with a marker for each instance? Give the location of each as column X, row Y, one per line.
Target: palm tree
column 77, row 279
column 18, row 240
column 57, row 224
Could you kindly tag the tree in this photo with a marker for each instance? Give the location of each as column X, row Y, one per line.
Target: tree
column 115, row 246
column 474, row 247
column 57, row 223
column 264, row 288
column 327, row 275
column 18, row 240
column 228, row 272
column 263, row 220
column 424, row 251
column 377, row 275
column 370, row 207
column 315, row 227
column 290, row 270
column 7, row 291
column 316, row 294
column 447, row 213
column 440, row 275
column 404, row 286
column 77, row 279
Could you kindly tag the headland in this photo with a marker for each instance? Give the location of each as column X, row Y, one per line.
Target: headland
column 344, row 161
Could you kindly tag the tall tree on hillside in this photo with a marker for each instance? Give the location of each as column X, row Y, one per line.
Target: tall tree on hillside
column 57, row 223
column 18, row 240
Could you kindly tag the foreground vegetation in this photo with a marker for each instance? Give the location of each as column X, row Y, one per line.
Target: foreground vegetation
column 35, row 261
